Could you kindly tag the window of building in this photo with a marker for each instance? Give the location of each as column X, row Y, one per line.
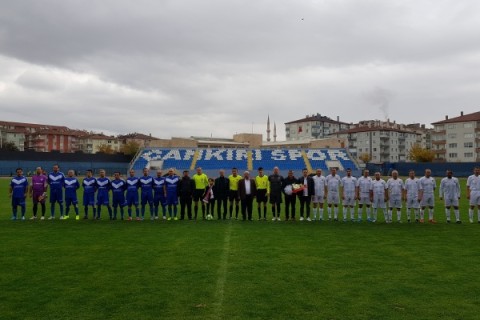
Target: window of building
column 452, row 155
column 468, row 145
column 374, row 149
column 468, row 125
column 452, row 145
column 452, row 126
column 468, row 135
column 452, row 136
column 468, row 154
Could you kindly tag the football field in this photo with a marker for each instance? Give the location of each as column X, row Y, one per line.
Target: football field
column 238, row 270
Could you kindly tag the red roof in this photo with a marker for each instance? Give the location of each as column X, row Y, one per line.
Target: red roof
column 463, row 118
column 316, row 117
column 369, row 129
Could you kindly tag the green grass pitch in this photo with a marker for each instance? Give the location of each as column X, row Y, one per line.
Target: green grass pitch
column 237, row 270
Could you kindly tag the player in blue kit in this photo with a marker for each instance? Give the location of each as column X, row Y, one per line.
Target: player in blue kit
column 18, row 193
column 118, row 194
column 103, row 188
column 171, row 186
column 146, row 186
column 89, row 184
column 159, row 194
column 55, row 180
column 71, row 185
column 133, row 183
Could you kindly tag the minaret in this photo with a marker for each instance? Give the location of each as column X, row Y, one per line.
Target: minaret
column 268, row 128
column 274, row 132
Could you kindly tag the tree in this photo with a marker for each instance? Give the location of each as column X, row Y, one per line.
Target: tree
column 9, row 146
column 105, row 148
column 365, row 157
column 419, row 154
column 130, row 148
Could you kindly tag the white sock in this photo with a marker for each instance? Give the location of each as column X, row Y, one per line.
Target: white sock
column 352, row 213
column 375, row 214
column 447, row 213
column 390, row 215
column 408, row 214
column 385, row 214
column 344, row 212
column 335, row 211
column 422, row 214
column 369, row 212
column 329, row 212
column 416, row 213
column 399, row 214
column 320, row 216
column 457, row 214
column 470, row 214
column 314, row 213
column 430, row 214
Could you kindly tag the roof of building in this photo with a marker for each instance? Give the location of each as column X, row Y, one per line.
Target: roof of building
column 373, row 128
column 138, row 136
column 462, row 118
column 30, row 125
column 316, row 117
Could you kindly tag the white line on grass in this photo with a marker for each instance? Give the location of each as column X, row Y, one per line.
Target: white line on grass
column 222, row 275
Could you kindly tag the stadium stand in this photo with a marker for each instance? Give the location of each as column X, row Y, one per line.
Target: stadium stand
column 212, row 160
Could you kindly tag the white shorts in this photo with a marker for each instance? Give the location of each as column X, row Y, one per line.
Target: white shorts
column 318, row 199
column 427, row 200
column 349, row 200
column 378, row 202
column 395, row 203
column 475, row 198
column 333, row 198
column 451, row 202
column 364, row 199
column 412, row 203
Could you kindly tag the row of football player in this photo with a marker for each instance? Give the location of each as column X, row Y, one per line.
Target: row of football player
column 369, row 192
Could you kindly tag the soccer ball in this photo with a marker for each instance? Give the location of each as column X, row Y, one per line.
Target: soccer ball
column 209, row 217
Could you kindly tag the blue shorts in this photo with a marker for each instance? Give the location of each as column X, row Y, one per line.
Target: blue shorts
column 102, row 199
column 132, row 199
column 18, row 201
column 118, row 199
column 159, row 199
column 89, row 199
column 147, row 197
column 172, row 198
column 56, row 195
column 71, row 200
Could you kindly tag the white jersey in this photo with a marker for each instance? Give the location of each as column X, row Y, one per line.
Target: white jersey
column 473, row 183
column 378, row 187
column 333, row 183
column 395, row 188
column 349, row 184
column 449, row 188
column 363, row 185
column 428, row 185
column 319, row 182
column 412, row 186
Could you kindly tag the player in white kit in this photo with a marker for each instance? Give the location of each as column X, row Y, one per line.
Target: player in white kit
column 378, row 196
column 450, row 191
column 395, row 193
column 411, row 195
column 318, row 197
column 473, row 193
column 363, row 195
column 427, row 195
column 349, row 195
column 332, row 192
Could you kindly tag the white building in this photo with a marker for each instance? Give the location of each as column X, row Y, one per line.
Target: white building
column 313, row 127
column 457, row 139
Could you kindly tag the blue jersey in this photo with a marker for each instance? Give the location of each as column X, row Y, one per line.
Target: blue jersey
column 133, row 183
column 118, row 186
column 171, row 183
column 103, row 186
column 19, row 186
column 71, row 186
column 146, row 184
column 89, row 185
column 158, row 184
column 56, row 180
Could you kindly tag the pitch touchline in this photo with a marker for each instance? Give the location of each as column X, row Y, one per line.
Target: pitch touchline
column 222, row 274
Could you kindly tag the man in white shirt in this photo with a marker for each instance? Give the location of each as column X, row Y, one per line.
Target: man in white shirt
column 411, row 196
column 450, row 191
column 318, row 195
column 332, row 192
column 473, row 193
column 427, row 196
column 395, row 192
column 349, row 184
column 363, row 195
column 378, row 196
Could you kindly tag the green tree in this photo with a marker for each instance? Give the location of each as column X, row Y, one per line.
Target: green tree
column 9, row 146
column 365, row 157
column 105, row 148
column 130, row 148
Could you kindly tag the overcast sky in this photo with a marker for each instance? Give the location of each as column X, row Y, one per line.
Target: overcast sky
column 183, row 68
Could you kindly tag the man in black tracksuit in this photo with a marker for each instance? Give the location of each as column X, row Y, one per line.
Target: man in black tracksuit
column 221, row 190
column 306, row 194
column 185, row 189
